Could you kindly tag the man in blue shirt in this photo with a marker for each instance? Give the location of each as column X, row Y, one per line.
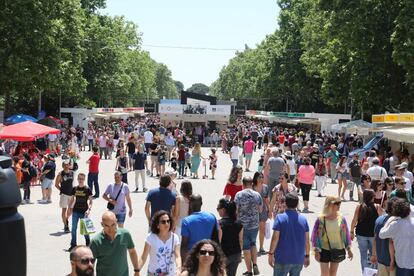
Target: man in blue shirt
column 160, row 198
column 197, row 226
column 289, row 248
column 380, row 247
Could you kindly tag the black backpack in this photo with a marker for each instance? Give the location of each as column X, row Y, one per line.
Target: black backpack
column 32, row 171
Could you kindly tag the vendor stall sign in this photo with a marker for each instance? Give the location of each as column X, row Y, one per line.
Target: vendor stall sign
column 406, row 118
column 171, row 108
column 378, row 118
column 218, row 110
column 391, row 118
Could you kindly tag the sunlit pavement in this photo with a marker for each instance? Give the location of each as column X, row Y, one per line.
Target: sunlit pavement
column 46, row 241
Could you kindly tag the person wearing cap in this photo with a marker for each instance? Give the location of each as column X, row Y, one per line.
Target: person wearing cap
column 314, row 155
column 407, row 173
column 333, row 155
column 376, row 172
column 47, row 176
column 64, row 183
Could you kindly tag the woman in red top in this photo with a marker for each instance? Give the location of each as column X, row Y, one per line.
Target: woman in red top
column 234, row 184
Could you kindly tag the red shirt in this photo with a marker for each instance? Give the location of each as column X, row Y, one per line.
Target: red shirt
column 94, row 163
column 232, row 190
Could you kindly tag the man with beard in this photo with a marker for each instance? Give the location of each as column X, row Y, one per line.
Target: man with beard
column 82, row 261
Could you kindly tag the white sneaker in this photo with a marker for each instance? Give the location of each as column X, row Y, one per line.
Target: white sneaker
column 42, row 201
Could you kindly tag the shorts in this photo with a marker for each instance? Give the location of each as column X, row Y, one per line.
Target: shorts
column 263, row 216
column 343, row 175
column 259, row 168
column 120, row 218
column 64, row 201
column 248, row 156
column 326, row 256
column 249, row 238
column 47, row 183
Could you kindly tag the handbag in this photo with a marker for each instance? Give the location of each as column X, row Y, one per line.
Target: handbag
column 110, row 206
column 268, row 229
column 86, row 226
column 337, row 255
column 370, row 271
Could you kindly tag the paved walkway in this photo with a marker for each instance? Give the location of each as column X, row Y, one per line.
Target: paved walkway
column 46, row 241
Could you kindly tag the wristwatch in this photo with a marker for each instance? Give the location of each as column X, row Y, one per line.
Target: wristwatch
column 137, row 270
column 306, row 256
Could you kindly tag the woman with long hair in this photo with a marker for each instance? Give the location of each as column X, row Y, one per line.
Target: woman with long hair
column 231, row 240
column 162, row 246
column 205, row 258
column 321, row 172
column 278, row 204
column 122, row 165
column 264, row 192
column 196, row 159
column 330, row 237
column 182, row 204
column 364, row 222
column 306, row 176
column 234, row 183
column 342, row 174
column 380, row 195
column 389, row 186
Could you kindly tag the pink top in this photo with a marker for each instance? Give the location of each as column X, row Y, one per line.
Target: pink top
column 248, row 146
column 306, row 174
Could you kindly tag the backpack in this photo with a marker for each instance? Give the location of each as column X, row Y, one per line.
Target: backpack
column 32, row 171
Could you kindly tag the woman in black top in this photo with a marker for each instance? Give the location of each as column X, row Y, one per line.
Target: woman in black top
column 232, row 235
column 364, row 222
column 122, row 165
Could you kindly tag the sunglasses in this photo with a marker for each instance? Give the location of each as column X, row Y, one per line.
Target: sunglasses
column 204, row 252
column 165, row 221
column 336, row 203
column 86, row 261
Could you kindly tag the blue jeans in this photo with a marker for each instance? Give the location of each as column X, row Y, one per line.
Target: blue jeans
column 404, row 271
column 181, row 166
column 93, row 182
column 365, row 245
column 235, row 162
column 76, row 216
column 285, row 269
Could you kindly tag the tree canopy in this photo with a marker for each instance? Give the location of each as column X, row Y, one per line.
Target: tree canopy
column 338, row 56
column 67, row 49
column 199, row 88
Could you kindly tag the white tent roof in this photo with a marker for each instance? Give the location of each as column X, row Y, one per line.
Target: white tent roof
column 405, row 135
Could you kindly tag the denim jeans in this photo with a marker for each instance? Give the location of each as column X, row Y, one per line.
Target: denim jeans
column 76, row 216
column 365, row 245
column 90, row 143
column 285, row 269
column 404, row 271
column 181, row 166
column 235, row 162
column 93, row 182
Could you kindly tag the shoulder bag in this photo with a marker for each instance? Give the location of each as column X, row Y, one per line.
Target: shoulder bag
column 337, row 255
column 110, row 206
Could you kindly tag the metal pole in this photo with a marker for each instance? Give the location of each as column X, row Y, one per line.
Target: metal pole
column 40, row 103
column 60, row 104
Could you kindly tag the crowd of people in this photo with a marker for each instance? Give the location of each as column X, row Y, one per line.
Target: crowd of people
column 184, row 239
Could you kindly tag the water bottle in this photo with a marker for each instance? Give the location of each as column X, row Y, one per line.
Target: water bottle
column 12, row 231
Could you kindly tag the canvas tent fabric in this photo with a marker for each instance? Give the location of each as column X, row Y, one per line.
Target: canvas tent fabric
column 26, row 131
column 405, row 135
column 19, row 118
column 368, row 146
column 352, row 126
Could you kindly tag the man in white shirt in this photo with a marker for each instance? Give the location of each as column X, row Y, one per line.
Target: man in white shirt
column 400, row 228
column 170, row 143
column 407, row 173
column 148, row 137
column 394, row 161
column 376, row 172
column 234, row 154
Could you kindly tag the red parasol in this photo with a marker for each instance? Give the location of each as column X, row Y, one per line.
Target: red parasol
column 26, row 131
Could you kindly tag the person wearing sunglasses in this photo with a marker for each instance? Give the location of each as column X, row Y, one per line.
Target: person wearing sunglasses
column 82, row 261
column 205, row 258
column 330, row 237
column 163, row 247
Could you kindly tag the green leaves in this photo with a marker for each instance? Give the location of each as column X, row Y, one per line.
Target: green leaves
column 65, row 47
column 327, row 55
